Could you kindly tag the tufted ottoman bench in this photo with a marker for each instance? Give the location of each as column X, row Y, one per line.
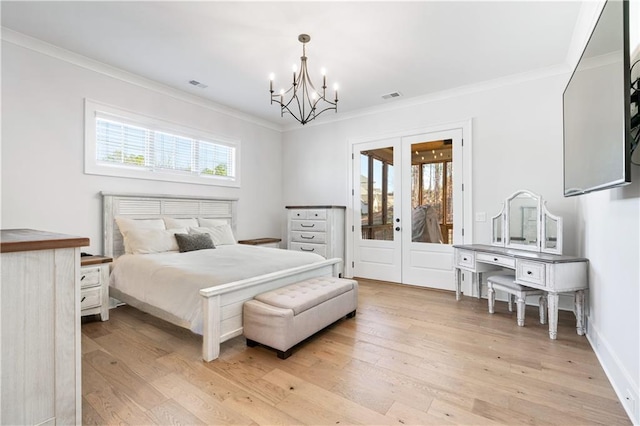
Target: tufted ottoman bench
column 284, row 317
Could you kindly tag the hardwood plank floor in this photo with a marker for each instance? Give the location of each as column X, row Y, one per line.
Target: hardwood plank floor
column 410, row 356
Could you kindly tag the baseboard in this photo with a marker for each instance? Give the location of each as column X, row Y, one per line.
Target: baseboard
column 621, row 381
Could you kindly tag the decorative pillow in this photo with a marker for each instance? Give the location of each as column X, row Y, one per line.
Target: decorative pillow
column 192, row 242
column 210, row 223
column 145, row 241
column 172, row 223
column 220, row 235
column 126, row 224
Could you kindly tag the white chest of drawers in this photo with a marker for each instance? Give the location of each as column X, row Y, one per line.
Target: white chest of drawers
column 316, row 229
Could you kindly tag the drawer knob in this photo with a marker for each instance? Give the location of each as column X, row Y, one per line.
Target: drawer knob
column 304, row 249
column 495, row 259
column 82, row 277
column 529, row 272
column 397, row 228
column 307, row 238
column 464, row 258
column 308, row 226
column 82, row 300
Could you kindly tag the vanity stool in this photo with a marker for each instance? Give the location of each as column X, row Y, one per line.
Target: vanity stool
column 507, row 284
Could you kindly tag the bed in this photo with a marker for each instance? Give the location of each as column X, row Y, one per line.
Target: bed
column 219, row 297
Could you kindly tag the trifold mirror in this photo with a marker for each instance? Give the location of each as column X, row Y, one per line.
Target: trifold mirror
column 525, row 223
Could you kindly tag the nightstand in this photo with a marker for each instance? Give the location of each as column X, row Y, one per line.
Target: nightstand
column 266, row 242
column 94, row 286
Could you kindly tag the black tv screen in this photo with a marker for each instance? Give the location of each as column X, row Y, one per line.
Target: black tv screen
column 596, row 108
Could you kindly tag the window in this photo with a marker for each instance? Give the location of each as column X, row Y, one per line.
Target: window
column 120, row 143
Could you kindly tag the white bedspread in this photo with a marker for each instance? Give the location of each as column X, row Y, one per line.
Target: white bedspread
column 171, row 281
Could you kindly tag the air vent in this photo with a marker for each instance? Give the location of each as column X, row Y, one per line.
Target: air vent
column 198, row 84
column 392, row 95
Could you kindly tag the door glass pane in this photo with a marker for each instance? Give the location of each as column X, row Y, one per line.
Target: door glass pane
column 432, row 192
column 376, row 194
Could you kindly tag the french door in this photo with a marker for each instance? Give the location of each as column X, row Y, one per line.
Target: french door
column 408, row 208
column 377, row 208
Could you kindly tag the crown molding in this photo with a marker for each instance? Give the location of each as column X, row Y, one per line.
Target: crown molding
column 31, row 43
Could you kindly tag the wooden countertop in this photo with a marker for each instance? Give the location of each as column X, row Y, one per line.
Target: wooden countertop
column 12, row 240
column 315, row 207
column 94, row 260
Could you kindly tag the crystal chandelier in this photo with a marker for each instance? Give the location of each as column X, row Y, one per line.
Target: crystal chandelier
column 303, row 101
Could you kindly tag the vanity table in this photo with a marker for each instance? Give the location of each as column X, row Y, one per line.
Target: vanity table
column 527, row 239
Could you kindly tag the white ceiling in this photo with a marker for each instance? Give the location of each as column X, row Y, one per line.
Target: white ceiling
column 369, row 48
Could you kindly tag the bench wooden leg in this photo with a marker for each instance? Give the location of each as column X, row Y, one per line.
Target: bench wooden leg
column 491, row 296
column 520, row 306
column 351, row 314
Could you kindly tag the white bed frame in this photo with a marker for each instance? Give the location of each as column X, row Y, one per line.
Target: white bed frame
column 222, row 304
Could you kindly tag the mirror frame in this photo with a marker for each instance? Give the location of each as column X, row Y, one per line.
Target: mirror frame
column 546, row 213
column 502, row 220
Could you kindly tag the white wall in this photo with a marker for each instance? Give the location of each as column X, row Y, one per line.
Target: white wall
column 517, row 144
column 609, row 235
column 43, row 184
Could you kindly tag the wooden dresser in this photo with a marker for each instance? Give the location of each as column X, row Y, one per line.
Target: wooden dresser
column 317, row 229
column 40, row 297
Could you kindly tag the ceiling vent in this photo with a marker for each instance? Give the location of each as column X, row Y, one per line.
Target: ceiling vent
column 197, row 84
column 392, row 95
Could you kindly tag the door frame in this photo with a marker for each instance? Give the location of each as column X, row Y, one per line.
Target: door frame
column 467, row 196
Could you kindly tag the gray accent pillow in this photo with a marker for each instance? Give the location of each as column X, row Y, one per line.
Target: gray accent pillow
column 192, row 242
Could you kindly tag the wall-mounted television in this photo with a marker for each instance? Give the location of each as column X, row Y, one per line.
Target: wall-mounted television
column 596, row 108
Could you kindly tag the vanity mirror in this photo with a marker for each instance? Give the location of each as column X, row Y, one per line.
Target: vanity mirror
column 525, row 223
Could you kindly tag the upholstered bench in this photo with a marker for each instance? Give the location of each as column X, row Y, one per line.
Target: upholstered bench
column 284, row 317
column 507, row 284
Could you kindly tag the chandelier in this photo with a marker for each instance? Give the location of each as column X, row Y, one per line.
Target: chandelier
column 302, row 100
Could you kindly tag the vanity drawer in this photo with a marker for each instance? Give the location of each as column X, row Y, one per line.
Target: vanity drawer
column 495, row 259
column 309, row 237
column 320, row 249
column 91, row 298
column 465, row 259
column 530, row 272
column 309, row 225
column 314, row 214
column 89, row 277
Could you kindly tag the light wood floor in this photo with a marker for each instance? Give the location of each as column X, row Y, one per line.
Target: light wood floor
column 410, row 356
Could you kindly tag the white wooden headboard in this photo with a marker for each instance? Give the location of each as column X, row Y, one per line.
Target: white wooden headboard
column 144, row 206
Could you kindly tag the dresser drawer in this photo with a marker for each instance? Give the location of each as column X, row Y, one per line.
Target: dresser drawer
column 313, row 214
column 495, row 259
column 320, row 249
column 90, row 298
column 309, row 225
column 89, row 277
column 309, row 237
column 465, row 259
column 530, row 272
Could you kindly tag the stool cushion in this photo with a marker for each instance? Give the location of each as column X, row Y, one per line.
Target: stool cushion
column 507, row 281
column 307, row 294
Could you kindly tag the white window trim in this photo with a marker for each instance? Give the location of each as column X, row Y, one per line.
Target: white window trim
column 91, row 166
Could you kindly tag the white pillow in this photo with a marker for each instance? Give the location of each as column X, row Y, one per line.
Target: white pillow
column 171, row 223
column 220, row 235
column 145, row 241
column 210, row 223
column 126, row 224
